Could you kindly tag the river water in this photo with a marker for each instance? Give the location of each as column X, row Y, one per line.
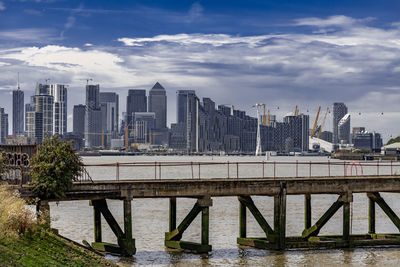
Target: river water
column 74, row 219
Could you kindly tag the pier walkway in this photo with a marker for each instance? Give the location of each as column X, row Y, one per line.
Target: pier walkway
column 381, row 177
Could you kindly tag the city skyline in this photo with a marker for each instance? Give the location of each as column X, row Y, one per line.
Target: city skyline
column 293, row 53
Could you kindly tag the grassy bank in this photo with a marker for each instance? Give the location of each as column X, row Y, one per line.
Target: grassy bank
column 43, row 248
column 25, row 241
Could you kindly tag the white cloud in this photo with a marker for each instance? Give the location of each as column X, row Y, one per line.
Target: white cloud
column 358, row 64
column 2, row 6
column 36, row 35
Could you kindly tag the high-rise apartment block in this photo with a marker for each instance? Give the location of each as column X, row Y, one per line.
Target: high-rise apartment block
column 3, row 125
column 93, row 117
column 59, row 93
column 18, row 112
column 79, row 114
column 339, row 110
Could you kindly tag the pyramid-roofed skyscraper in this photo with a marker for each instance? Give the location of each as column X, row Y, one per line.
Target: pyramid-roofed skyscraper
column 158, row 105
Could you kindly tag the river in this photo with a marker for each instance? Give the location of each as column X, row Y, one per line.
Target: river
column 74, row 219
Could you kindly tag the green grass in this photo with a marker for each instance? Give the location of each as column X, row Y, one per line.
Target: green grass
column 43, row 248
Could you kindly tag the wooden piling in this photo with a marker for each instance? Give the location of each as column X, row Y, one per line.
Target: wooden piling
column 371, row 216
column 242, row 220
column 307, row 211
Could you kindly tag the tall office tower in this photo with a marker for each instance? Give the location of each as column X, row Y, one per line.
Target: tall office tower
column 110, row 106
column 339, row 110
column 93, row 117
column 79, row 114
column 93, row 96
column 29, row 107
column 143, row 126
column 136, row 101
column 18, row 112
column 44, row 106
column 187, row 107
column 296, row 132
column 3, row 126
column 158, row 105
column 344, row 129
column 59, row 93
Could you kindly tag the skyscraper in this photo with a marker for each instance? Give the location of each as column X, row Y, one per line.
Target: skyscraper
column 3, row 126
column 93, row 117
column 59, row 93
column 39, row 120
column 158, row 105
column 79, row 119
column 344, row 129
column 136, row 101
column 18, row 112
column 339, row 110
column 187, row 107
column 110, row 102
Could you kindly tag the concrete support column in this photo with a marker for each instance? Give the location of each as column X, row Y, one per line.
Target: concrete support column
column 280, row 217
column 371, row 216
column 128, row 219
column 97, row 225
column 307, row 211
column 346, row 221
column 205, row 225
column 172, row 214
column 242, row 220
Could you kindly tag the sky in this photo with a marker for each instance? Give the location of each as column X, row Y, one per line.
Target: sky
column 282, row 53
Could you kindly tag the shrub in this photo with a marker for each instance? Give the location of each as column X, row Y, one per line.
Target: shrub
column 15, row 217
column 54, row 167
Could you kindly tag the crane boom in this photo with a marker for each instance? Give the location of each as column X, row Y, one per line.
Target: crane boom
column 323, row 122
column 296, row 111
column 268, row 119
column 264, row 122
column 315, row 122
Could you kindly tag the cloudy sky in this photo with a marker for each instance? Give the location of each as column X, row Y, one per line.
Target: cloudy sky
column 281, row 53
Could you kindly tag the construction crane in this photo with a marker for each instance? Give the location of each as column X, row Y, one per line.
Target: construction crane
column 268, row 119
column 323, row 122
column 315, row 122
column 87, row 80
column 296, row 111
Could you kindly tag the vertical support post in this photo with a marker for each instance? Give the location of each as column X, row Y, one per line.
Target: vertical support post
column 128, row 219
column 391, row 167
column 97, row 225
column 172, row 214
column 228, row 169
column 280, row 217
column 274, row 169
column 117, row 172
column 307, row 211
column 297, row 168
column 191, row 165
column 205, row 225
column 242, row 220
column 199, row 170
column 329, row 168
column 346, row 221
column 377, row 168
column 371, row 216
column 159, row 170
column 263, row 169
column 237, row 170
column 155, row 170
column 344, row 168
column 310, row 168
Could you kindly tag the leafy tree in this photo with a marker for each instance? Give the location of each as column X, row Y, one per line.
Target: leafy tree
column 54, row 167
column 393, row 140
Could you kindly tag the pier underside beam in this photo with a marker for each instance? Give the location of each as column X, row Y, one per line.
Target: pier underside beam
column 174, row 236
column 314, row 230
column 126, row 244
column 275, row 238
column 376, row 197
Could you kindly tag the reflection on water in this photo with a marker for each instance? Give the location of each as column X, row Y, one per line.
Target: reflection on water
column 74, row 219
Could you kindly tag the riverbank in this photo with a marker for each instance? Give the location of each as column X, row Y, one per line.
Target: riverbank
column 43, row 248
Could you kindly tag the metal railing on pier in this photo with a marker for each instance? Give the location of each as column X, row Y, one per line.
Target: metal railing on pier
column 240, row 169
